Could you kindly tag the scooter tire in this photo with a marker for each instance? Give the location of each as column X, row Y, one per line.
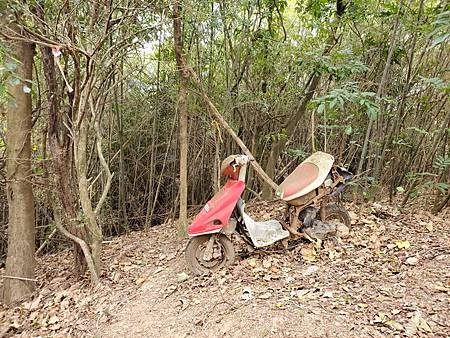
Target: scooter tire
column 194, row 262
column 337, row 211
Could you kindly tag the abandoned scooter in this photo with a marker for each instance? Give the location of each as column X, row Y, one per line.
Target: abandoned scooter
column 310, row 193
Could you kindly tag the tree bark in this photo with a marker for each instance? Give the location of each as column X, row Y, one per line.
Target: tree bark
column 60, row 166
column 182, row 111
column 20, row 262
column 94, row 230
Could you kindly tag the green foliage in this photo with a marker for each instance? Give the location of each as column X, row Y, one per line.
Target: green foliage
column 442, row 162
column 298, row 153
column 317, row 8
column 277, row 136
column 256, row 60
column 340, row 98
column 441, row 33
column 5, row 68
column 399, row 141
column 437, row 83
column 341, row 65
column 400, row 189
column 418, row 130
column 426, row 181
column 9, row 76
column 442, row 187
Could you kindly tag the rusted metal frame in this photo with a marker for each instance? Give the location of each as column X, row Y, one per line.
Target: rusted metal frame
column 316, row 201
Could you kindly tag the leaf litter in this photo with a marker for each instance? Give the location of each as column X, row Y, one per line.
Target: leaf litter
column 387, row 275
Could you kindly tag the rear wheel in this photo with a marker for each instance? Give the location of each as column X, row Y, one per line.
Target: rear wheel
column 337, row 215
column 222, row 254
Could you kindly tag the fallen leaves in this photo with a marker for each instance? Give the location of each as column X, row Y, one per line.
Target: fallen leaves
column 302, row 294
column 353, row 217
column 53, row 323
column 265, row 295
column 252, row 262
column 415, row 324
column 394, row 325
column 327, row 294
column 182, row 277
column 53, row 320
column 34, row 304
column 308, row 253
column 427, row 225
column 267, row 263
column 310, row 270
column 440, row 287
column 385, row 270
column 383, row 319
column 342, row 230
column 412, row 260
column 403, row 244
column 140, row 280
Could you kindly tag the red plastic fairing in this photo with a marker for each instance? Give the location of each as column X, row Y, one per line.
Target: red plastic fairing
column 217, row 210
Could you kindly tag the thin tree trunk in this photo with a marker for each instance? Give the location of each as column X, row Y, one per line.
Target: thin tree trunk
column 20, row 262
column 212, row 108
column 122, row 187
column 392, row 127
column 60, row 166
column 379, row 94
column 183, row 113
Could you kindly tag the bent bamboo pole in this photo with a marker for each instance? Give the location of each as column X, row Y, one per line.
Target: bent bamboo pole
column 227, row 127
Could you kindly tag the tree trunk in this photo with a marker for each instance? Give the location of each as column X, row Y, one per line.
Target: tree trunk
column 60, row 166
column 183, row 113
column 20, row 261
column 94, row 231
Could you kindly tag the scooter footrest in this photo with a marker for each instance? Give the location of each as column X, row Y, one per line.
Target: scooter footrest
column 266, row 233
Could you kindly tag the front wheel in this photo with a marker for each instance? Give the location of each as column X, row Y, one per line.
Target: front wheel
column 221, row 256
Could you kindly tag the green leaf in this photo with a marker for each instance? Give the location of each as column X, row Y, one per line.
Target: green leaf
column 371, row 112
column 419, row 130
column 442, row 162
column 443, row 187
column 333, row 103
column 321, row 108
column 38, row 170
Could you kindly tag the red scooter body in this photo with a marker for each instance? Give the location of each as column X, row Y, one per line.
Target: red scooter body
column 216, row 213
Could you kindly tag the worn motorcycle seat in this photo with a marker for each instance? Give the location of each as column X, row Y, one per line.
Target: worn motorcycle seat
column 309, row 175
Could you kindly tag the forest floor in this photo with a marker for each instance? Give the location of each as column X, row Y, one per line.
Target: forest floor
column 389, row 277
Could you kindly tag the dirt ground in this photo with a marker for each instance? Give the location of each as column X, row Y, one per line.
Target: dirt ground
column 388, row 277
